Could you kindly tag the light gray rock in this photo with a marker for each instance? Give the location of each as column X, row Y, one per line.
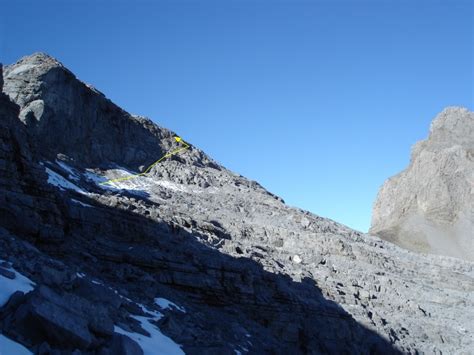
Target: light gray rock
column 429, row 207
column 32, row 111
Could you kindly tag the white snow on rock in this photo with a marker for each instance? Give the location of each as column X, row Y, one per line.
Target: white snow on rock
column 163, row 303
column 57, row 180
column 8, row 286
column 156, row 343
column 100, row 180
column 81, row 203
column 97, row 179
column 134, row 183
column 72, row 173
column 10, row 347
column 296, row 259
column 171, row 185
column 140, row 183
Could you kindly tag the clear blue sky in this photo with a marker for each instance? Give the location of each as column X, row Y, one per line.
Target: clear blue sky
column 320, row 101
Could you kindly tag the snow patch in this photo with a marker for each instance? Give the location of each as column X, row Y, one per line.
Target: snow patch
column 115, row 174
column 296, row 259
column 72, row 173
column 81, row 203
column 163, row 303
column 157, row 342
column 57, row 180
column 8, row 286
column 138, row 184
column 132, row 184
column 10, row 347
column 96, row 179
column 171, row 185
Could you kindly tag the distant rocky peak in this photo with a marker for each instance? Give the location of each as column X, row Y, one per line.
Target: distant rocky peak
column 454, row 125
column 37, row 64
column 33, row 76
column 428, row 207
column 40, row 58
column 65, row 116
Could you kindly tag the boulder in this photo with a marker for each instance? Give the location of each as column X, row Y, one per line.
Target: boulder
column 63, row 320
column 123, row 345
column 43, row 318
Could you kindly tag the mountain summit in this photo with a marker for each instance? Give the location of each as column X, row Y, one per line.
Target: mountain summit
column 75, row 119
column 190, row 257
column 429, row 207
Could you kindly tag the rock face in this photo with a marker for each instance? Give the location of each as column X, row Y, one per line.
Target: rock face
column 429, row 207
column 99, row 133
column 190, row 254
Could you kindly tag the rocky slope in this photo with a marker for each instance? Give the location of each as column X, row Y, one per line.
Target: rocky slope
column 191, row 257
column 429, row 207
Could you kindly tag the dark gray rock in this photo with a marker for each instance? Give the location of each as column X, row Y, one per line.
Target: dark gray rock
column 245, row 270
column 45, row 316
column 45, row 90
column 97, row 293
column 17, row 298
column 43, row 349
column 7, row 273
column 123, row 345
column 1, row 78
column 52, row 276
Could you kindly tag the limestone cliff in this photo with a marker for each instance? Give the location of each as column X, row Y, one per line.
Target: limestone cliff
column 429, row 207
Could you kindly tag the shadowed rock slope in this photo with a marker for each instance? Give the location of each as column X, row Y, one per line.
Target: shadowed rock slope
column 191, row 257
column 429, row 207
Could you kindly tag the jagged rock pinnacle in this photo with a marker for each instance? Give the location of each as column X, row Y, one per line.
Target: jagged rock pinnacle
column 429, row 206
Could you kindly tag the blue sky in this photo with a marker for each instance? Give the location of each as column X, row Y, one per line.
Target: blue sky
column 319, row 101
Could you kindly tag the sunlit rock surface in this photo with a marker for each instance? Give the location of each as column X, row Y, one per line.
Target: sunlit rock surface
column 192, row 257
column 429, row 207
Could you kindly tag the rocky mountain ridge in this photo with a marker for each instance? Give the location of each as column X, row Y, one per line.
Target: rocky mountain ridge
column 429, row 207
column 242, row 271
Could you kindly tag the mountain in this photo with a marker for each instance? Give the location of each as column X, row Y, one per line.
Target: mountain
column 429, row 207
column 102, row 251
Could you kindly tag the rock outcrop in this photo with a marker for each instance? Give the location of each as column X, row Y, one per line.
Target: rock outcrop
column 429, row 207
column 99, row 133
column 190, row 254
